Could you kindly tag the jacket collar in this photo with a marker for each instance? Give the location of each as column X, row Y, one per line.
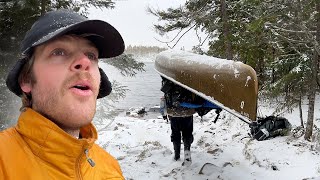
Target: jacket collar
column 50, row 143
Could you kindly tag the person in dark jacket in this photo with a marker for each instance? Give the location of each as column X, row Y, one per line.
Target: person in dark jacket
column 181, row 122
column 181, row 118
column 178, row 105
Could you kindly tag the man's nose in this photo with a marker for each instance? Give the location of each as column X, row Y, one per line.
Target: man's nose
column 81, row 62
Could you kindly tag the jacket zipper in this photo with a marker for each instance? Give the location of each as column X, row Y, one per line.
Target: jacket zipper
column 90, row 161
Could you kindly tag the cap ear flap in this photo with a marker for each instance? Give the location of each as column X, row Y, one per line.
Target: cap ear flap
column 12, row 80
column 105, row 85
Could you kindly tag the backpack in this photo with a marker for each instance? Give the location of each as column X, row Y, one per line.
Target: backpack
column 175, row 94
column 270, row 126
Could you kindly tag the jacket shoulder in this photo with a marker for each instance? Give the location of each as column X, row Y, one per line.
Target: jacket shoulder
column 9, row 138
column 106, row 163
column 12, row 154
column 103, row 153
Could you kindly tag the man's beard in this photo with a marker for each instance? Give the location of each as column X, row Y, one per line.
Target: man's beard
column 51, row 104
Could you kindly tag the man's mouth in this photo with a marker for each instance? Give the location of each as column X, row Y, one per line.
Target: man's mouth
column 82, row 87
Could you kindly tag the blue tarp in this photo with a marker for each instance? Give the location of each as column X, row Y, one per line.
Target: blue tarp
column 190, row 105
column 205, row 104
column 210, row 105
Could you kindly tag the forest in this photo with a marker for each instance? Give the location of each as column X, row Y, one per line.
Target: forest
column 278, row 38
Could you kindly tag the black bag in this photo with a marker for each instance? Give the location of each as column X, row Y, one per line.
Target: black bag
column 270, row 126
column 174, row 94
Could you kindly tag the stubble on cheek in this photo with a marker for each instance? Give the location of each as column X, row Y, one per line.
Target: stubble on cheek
column 53, row 103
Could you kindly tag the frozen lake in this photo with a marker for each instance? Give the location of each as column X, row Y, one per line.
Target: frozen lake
column 144, row 88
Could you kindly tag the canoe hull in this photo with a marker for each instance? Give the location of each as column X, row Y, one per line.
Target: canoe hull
column 231, row 85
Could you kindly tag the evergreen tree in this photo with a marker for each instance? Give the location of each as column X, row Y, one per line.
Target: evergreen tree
column 126, row 63
column 235, row 29
column 17, row 16
column 296, row 41
column 279, row 39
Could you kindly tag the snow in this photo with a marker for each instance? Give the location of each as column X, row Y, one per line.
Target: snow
column 142, row 146
column 191, row 58
column 219, row 151
column 236, row 73
column 49, row 35
column 248, row 79
column 222, row 150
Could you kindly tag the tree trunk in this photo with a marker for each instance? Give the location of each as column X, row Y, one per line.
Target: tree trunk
column 309, row 127
column 313, row 85
column 300, row 110
column 260, row 66
column 226, row 31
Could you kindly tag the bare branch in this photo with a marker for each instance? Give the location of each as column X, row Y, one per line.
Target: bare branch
column 167, row 42
column 183, row 35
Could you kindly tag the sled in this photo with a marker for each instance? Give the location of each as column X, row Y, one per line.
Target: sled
column 231, row 85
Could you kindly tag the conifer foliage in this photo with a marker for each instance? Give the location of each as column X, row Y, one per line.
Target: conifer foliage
column 279, row 39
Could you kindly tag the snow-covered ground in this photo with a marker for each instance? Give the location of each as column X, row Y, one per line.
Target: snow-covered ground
column 220, row 151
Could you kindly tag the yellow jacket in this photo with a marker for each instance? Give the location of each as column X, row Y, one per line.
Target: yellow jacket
column 37, row 149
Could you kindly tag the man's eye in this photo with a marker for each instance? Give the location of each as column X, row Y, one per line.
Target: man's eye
column 92, row 56
column 59, row 52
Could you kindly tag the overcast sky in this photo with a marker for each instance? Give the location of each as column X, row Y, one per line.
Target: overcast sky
column 136, row 25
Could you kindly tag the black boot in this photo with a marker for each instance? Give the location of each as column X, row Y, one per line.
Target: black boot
column 176, row 147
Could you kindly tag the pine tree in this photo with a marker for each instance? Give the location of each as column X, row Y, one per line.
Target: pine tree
column 235, row 29
column 279, row 39
column 296, row 41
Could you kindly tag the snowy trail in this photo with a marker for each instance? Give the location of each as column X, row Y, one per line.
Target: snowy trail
column 144, row 151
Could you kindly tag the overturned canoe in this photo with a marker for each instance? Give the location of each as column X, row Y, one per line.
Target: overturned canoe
column 231, row 85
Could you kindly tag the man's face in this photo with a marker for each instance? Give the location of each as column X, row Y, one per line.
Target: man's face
column 67, row 80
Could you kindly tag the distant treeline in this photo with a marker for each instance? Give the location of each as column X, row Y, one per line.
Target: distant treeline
column 142, row 50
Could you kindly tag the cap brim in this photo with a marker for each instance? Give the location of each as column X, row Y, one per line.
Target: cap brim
column 106, row 38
